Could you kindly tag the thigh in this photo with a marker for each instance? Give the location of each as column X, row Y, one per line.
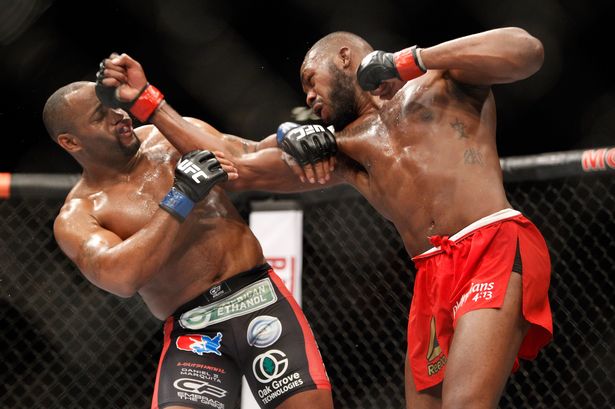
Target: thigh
column 313, row 399
column 280, row 358
column 197, row 370
column 430, row 398
column 483, row 350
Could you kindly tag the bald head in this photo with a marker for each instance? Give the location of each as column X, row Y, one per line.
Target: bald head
column 57, row 115
column 332, row 43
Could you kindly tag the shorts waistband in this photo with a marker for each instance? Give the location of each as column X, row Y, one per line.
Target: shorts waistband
column 225, row 288
column 482, row 222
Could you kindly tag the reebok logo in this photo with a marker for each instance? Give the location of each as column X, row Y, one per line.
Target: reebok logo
column 187, row 167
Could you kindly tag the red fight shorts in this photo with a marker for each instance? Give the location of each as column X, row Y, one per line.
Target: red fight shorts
column 471, row 270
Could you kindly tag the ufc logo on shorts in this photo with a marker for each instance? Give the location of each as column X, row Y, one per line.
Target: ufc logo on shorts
column 198, row 386
column 188, row 167
column 303, row 131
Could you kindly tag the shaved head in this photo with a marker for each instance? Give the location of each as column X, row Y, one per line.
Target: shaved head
column 328, row 77
column 56, row 113
column 331, row 44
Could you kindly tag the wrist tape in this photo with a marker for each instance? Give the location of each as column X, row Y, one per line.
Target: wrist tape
column 409, row 64
column 146, row 103
column 177, row 203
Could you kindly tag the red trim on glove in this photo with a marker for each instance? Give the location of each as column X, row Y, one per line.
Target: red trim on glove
column 146, row 103
column 406, row 64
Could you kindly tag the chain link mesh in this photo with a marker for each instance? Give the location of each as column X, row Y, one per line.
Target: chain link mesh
column 66, row 344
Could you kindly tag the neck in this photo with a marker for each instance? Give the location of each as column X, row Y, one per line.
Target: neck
column 111, row 170
column 367, row 104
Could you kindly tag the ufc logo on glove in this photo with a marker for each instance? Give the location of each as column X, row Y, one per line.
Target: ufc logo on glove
column 187, row 167
column 305, row 130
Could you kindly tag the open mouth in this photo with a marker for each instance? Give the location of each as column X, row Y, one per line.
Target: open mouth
column 124, row 127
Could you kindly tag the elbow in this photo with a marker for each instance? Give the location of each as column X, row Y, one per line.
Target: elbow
column 535, row 54
column 125, row 291
column 124, row 288
column 530, row 52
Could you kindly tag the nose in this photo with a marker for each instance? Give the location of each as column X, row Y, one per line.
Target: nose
column 116, row 114
column 309, row 99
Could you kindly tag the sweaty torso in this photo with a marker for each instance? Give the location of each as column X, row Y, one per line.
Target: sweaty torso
column 213, row 243
column 427, row 160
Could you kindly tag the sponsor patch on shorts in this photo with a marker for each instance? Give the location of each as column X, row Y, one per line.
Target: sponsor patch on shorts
column 264, row 331
column 199, row 344
column 254, row 297
column 270, row 368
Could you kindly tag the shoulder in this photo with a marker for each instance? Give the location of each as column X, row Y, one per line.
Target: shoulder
column 149, row 136
column 77, row 204
column 72, row 215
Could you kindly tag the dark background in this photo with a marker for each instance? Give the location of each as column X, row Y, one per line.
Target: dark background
column 235, row 64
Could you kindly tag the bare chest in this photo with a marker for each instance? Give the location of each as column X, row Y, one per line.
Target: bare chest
column 129, row 205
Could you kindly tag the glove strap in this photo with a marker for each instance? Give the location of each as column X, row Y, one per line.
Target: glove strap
column 409, row 64
column 146, row 103
column 283, row 129
column 177, row 203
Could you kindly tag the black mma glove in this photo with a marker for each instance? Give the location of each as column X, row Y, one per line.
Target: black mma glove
column 379, row 66
column 306, row 143
column 196, row 173
column 142, row 107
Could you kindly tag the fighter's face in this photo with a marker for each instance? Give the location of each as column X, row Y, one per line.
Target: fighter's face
column 330, row 92
column 102, row 132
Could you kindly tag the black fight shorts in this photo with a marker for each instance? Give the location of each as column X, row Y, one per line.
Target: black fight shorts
column 247, row 325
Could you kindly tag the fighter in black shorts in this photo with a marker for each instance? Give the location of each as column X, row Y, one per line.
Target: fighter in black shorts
column 143, row 219
column 247, row 325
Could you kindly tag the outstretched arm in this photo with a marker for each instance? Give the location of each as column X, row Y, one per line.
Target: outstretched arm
column 260, row 165
column 497, row 56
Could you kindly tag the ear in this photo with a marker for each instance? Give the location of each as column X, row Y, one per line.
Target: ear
column 344, row 55
column 69, row 142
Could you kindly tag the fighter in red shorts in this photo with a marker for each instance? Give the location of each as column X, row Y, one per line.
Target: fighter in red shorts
column 415, row 135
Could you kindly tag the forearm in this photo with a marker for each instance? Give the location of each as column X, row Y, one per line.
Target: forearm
column 491, row 57
column 184, row 135
column 266, row 170
column 188, row 134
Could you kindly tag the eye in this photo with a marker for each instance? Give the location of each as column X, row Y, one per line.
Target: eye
column 98, row 115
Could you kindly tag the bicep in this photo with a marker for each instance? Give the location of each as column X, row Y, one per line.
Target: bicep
column 84, row 241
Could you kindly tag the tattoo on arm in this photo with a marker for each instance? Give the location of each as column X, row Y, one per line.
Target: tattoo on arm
column 460, row 128
column 472, row 156
column 239, row 144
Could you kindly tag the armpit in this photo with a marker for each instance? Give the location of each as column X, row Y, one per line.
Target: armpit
column 473, row 94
